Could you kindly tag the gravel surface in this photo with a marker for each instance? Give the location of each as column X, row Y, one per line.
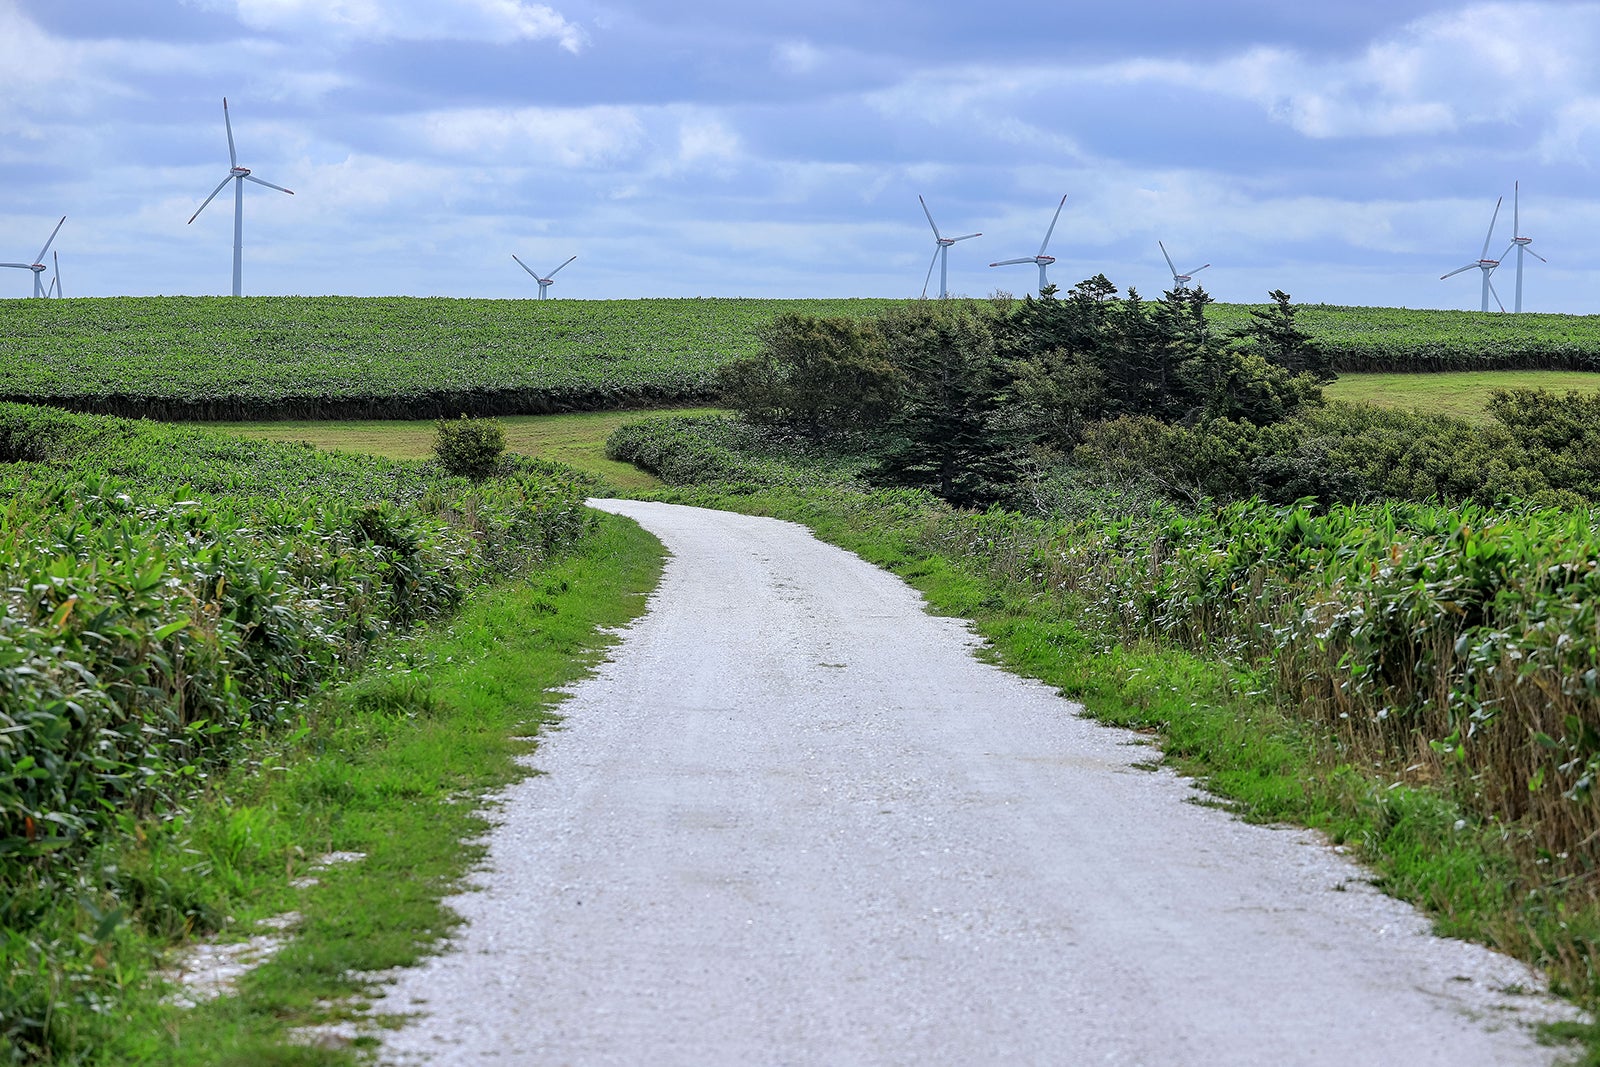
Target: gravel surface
column 796, row 821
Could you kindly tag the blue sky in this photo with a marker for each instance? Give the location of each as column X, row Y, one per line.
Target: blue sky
column 1347, row 153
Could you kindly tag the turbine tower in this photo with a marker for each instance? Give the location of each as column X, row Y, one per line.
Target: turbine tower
column 544, row 283
column 941, row 253
column 1485, row 264
column 238, row 175
column 1179, row 281
column 1519, row 242
column 37, row 266
column 1041, row 259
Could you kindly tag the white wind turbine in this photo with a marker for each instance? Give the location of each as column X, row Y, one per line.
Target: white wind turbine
column 1179, row 281
column 1485, row 264
column 1519, row 242
column 1041, row 259
column 238, row 175
column 941, row 253
column 37, row 266
column 544, row 283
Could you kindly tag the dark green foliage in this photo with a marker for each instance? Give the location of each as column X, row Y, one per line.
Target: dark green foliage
column 1274, row 335
column 469, row 447
column 813, row 376
column 1543, row 451
column 1091, row 358
column 946, row 434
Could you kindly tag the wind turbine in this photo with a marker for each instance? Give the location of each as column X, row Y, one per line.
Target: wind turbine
column 544, row 283
column 37, row 266
column 1519, row 242
column 1179, row 281
column 1041, row 259
column 238, row 175
column 1484, row 263
column 941, row 253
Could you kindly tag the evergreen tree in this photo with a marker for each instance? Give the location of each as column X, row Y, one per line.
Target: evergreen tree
column 946, row 436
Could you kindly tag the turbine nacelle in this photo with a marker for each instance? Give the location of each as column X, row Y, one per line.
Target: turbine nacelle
column 239, row 172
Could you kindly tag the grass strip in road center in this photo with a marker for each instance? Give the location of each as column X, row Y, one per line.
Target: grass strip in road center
column 395, row 767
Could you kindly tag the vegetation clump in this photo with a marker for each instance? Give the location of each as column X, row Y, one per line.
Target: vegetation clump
column 468, row 447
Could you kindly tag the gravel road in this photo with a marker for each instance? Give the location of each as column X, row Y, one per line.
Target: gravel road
column 796, row 821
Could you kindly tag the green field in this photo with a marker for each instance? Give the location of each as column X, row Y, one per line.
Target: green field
column 577, row 440
column 1463, row 394
column 217, row 359
column 214, row 358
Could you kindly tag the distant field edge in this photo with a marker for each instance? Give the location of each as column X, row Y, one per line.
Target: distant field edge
column 443, row 403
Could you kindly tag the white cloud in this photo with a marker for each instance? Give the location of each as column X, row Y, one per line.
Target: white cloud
column 568, row 137
column 1484, row 63
column 498, row 21
column 796, row 57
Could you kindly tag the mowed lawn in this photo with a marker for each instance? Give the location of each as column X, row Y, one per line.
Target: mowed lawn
column 1464, row 394
column 578, row 440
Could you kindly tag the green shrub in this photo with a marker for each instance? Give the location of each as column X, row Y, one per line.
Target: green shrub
column 469, row 447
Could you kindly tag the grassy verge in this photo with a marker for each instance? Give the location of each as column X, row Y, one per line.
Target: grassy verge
column 392, row 766
column 1461, row 394
column 1220, row 723
column 577, row 440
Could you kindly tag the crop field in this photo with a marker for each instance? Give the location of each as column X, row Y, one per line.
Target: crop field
column 1462, row 394
column 1401, row 339
column 332, row 357
column 219, row 359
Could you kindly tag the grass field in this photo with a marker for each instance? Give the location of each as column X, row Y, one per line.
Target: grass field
column 1463, row 394
column 578, row 440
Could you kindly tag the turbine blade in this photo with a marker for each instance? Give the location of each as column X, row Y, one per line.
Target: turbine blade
column 56, row 281
column 557, row 270
column 1053, row 220
column 965, row 237
column 40, row 257
column 1516, row 209
column 525, row 267
column 233, row 157
column 1496, row 296
column 928, row 213
column 1485, row 253
column 269, row 185
column 24, row 266
column 1170, row 267
column 929, row 277
column 1534, row 254
column 1008, row 262
column 1197, row 270
column 1458, row 270
column 210, row 199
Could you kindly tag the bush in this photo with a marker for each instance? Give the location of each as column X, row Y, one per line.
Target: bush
column 469, row 447
column 813, row 376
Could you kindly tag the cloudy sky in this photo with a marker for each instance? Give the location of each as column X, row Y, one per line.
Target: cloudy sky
column 1346, row 152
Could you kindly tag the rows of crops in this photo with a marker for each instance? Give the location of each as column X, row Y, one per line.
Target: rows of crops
column 1363, row 339
column 336, row 357
column 168, row 590
column 396, row 357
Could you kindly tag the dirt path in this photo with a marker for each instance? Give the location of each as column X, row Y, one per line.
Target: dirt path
column 796, row 822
